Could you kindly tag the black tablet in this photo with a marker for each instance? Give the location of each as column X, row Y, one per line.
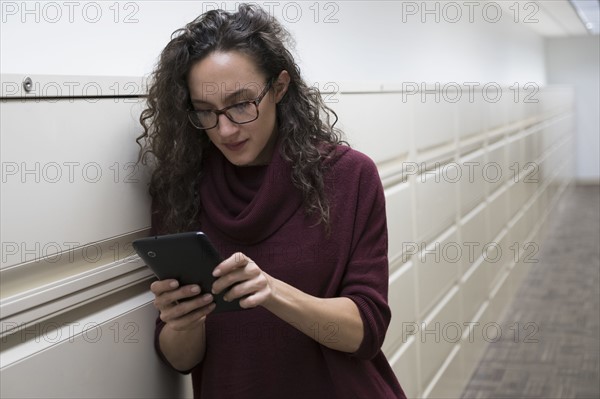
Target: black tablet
column 189, row 258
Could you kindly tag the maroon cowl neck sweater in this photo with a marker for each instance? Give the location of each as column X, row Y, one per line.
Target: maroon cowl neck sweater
column 258, row 211
column 250, row 203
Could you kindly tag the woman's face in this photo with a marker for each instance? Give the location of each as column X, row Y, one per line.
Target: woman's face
column 222, row 79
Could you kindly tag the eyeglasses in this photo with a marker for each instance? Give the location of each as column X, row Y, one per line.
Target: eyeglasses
column 240, row 113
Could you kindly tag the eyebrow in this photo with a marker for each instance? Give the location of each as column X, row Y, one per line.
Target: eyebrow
column 227, row 97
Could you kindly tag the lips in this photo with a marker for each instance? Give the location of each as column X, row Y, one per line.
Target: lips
column 235, row 146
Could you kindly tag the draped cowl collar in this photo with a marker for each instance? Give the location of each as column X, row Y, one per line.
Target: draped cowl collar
column 250, row 203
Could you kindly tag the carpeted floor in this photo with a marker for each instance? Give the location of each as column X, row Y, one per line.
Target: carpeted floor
column 557, row 355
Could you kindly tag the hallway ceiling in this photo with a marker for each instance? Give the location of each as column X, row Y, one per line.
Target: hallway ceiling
column 558, row 18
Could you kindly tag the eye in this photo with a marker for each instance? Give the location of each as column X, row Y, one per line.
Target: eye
column 242, row 107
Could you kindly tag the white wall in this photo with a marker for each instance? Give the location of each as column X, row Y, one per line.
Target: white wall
column 101, row 350
column 576, row 61
column 437, row 208
column 336, row 41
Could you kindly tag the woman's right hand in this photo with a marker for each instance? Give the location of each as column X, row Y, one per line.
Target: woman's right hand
column 181, row 315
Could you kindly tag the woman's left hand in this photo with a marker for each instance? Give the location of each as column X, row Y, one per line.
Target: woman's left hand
column 301, row 310
column 246, row 279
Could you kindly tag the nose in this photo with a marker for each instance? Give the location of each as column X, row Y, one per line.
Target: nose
column 225, row 127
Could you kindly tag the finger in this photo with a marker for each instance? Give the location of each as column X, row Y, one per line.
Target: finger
column 253, row 300
column 168, row 298
column 249, row 271
column 160, row 286
column 190, row 319
column 225, row 282
column 245, row 288
column 181, row 309
column 235, row 261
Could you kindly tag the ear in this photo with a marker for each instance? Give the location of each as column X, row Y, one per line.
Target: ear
column 281, row 85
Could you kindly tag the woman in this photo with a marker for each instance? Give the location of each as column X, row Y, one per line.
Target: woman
column 243, row 154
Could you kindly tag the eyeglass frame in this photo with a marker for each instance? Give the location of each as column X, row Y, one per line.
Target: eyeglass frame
column 223, row 111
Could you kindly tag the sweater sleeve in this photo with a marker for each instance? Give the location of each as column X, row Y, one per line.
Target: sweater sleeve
column 366, row 277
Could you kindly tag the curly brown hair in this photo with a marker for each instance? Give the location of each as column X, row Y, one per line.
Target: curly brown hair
column 303, row 119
